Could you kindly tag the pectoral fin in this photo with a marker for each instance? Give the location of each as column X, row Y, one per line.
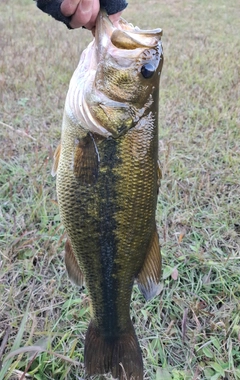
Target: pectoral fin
column 149, row 276
column 73, row 269
column 86, row 160
column 56, row 160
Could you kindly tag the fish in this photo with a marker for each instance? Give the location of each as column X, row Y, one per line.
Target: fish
column 107, row 175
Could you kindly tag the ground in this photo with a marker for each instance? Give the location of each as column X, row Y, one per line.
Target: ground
column 192, row 329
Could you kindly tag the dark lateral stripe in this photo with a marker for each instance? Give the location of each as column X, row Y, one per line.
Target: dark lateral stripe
column 108, row 181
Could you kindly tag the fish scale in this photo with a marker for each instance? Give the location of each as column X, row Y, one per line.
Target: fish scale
column 107, row 184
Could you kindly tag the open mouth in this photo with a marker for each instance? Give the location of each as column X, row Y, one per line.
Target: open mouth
column 126, row 36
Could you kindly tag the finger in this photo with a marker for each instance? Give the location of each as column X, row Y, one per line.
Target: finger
column 95, row 10
column 83, row 14
column 115, row 18
column 68, row 7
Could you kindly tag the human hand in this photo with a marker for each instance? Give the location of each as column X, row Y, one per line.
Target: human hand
column 84, row 13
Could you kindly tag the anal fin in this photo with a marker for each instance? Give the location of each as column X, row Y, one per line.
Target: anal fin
column 149, row 276
column 86, row 160
column 74, row 272
column 56, row 158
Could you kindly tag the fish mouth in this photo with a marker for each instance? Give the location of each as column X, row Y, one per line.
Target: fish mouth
column 125, row 36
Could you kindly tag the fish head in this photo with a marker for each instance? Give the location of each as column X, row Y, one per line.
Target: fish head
column 129, row 61
column 117, row 79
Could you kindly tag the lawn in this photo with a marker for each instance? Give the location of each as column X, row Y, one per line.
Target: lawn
column 192, row 329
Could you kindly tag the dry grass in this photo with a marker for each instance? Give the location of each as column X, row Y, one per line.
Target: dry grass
column 192, row 331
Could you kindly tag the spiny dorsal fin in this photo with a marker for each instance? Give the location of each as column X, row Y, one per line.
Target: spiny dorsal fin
column 86, row 160
column 73, row 269
column 149, row 276
column 56, row 160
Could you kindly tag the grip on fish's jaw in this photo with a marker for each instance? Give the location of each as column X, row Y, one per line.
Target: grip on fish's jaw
column 53, row 8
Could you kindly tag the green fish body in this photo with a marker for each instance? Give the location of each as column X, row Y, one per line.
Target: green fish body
column 107, row 184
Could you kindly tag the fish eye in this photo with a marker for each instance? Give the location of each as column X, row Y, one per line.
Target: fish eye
column 147, row 70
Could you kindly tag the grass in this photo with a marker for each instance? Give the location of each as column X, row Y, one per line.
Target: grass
column 192, row 330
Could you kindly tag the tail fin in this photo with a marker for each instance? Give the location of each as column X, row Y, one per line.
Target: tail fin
column 119, row 355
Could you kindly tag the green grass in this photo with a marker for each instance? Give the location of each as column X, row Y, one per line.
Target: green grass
column 192, row 330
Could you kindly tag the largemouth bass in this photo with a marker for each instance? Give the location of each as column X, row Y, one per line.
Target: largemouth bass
column 107, row 184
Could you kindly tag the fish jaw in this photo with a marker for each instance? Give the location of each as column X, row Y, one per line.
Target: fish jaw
column 80, row 91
